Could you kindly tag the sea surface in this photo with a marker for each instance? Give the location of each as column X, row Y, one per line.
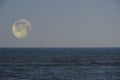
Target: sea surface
column 60, row 64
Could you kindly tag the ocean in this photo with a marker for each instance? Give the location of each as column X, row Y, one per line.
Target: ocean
column 60, row 64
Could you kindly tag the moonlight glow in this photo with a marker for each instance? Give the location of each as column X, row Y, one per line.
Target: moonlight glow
column 21, row 28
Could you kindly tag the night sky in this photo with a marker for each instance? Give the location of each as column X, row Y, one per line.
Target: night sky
column 62, row 23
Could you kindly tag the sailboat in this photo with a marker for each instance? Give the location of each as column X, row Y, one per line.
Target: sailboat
column 41, row 45
column 42, row 48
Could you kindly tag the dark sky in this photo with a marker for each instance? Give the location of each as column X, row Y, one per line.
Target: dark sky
column 62, row 23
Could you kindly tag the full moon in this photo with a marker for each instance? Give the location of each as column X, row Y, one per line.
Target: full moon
column 21, row 28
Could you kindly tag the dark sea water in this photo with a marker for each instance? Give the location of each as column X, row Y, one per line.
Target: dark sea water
column 60, row 64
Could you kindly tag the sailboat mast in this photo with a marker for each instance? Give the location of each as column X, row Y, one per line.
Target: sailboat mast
column 41, row 44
